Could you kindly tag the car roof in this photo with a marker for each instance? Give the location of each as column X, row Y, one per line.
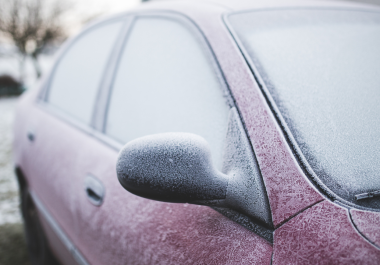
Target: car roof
column 207, row 8
column 240, row 5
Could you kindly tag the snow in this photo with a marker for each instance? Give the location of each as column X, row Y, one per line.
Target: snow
column 9, row 202
column 10, row 64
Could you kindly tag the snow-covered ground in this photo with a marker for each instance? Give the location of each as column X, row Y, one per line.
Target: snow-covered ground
column 9, row 201
column 10, row 64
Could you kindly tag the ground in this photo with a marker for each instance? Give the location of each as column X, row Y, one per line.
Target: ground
column 12, row 243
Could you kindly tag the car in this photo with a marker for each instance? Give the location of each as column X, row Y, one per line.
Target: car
column 201, row 132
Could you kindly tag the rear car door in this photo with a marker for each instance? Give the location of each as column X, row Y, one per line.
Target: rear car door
column 60, row 129
column 166, row 80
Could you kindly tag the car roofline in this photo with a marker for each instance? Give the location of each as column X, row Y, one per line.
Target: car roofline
column 232, row 6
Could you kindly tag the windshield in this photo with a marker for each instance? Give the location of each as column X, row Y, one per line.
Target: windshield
column 322, row 70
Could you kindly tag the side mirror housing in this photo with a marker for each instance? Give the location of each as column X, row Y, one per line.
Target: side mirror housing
column 177, row 167
column 171, row 167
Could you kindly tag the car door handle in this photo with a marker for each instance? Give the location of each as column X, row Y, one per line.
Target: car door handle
column 94, row 190
column 30, row 136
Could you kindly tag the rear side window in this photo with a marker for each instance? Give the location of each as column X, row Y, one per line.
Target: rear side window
column 76, row 79
column 166, row 82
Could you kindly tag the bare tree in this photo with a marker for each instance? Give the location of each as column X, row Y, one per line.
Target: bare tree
column 32, row 25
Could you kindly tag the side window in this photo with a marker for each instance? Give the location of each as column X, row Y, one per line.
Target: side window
column 77, row 77
column 166, row 82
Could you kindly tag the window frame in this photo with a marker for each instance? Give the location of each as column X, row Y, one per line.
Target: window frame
column 96, row 129
column 43, row 95
column 198, row 36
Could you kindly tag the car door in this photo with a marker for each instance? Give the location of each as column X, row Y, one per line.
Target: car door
column 166, row 80
column 61, row 125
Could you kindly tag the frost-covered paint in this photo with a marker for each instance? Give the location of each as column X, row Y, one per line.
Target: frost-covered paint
column 323, row 234
column 127, row 229
column 368, row 223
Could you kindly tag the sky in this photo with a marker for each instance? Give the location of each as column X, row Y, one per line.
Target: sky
column 83, row 9
column 111, row 6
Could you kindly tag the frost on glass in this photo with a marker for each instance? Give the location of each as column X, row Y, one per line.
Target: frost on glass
column 167, row 83
column 77, row 77
column 322, row 70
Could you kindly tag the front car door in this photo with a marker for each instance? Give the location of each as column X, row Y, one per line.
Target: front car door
column 167, row 80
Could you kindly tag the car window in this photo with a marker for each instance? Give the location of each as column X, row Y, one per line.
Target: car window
column 166, row 82
column 76, row 79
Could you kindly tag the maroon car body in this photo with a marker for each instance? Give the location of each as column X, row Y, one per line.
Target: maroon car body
column 53, row 155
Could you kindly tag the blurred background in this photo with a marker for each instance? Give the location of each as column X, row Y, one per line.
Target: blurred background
column 31, row 31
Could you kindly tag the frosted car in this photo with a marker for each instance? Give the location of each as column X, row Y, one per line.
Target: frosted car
column 191, row 132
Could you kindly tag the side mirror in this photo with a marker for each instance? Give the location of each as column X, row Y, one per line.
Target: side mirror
column 177, row 167
column 171, row 167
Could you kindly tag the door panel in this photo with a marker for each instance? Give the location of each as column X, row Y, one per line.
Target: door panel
column 48, row 164
column 54, row 160
column 127, row 229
